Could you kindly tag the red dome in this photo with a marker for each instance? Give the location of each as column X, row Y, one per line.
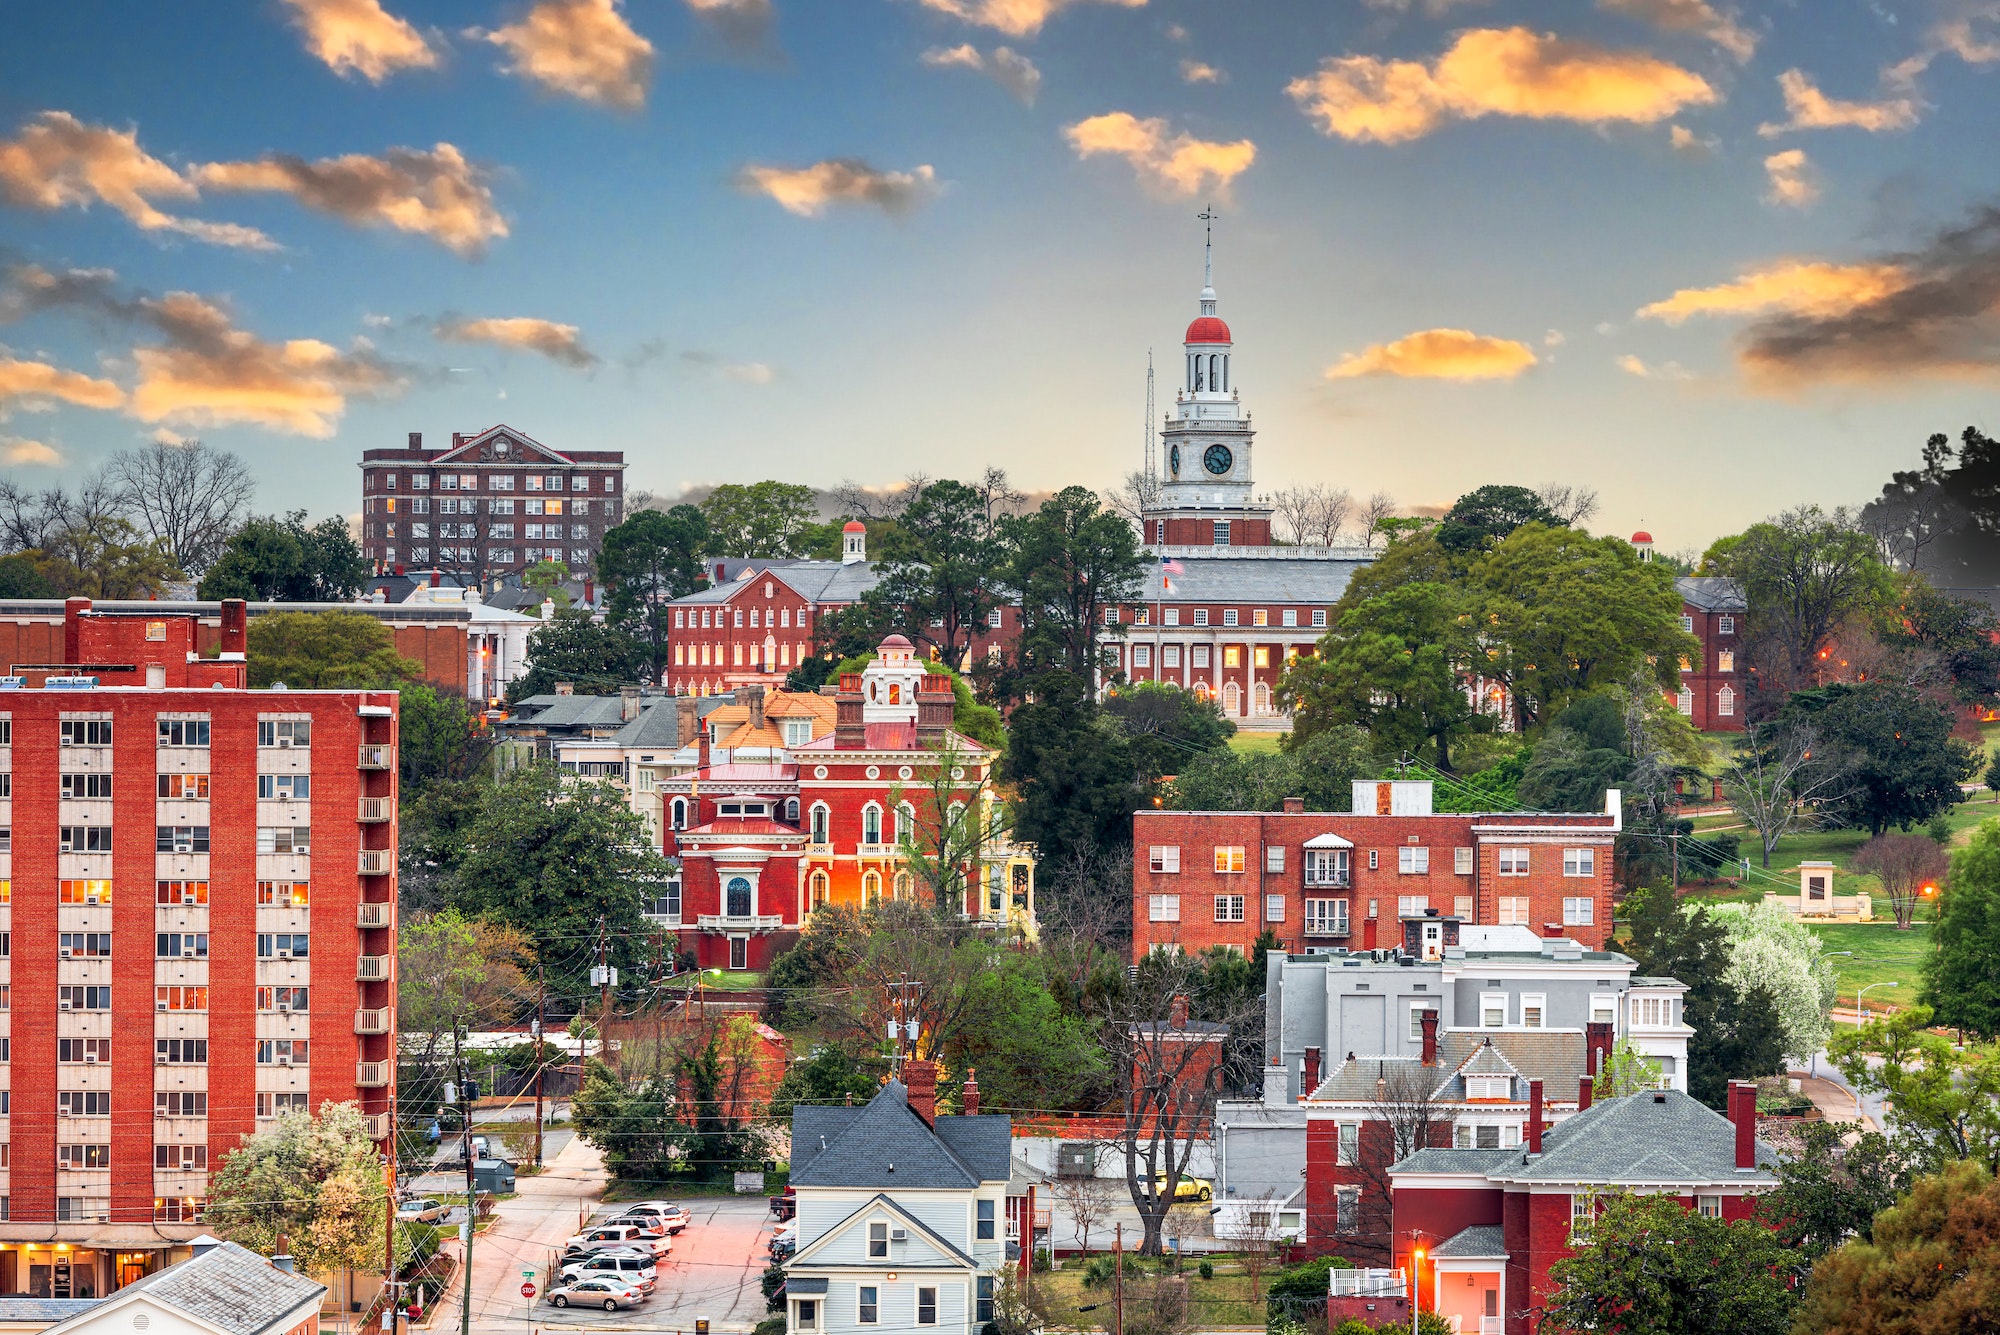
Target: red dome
column 854, row 526
column 1642, row 539
column 1207, row 329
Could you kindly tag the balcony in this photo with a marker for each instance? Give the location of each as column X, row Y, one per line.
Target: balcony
column 372, row 969
column 373, row 915
column 878, row 850
column 372, row 1022
column 378, row 1125
column 376, row 755
column 371, row 1075
column 377, row 861
column 754, row 922
column 1328, row 880
column 375, row 809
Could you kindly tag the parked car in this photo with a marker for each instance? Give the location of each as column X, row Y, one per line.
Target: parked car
column 423, row 1211
column 610, row 1294
column 634, row 1268
column 1188, row 1188
column 652, row 1224
column 480, row 1149
column 621, row 1235
column 784, row 1241
column 675, row 1217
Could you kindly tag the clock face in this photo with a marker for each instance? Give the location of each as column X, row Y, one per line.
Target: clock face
column 1174, row 460
column 1217, row 459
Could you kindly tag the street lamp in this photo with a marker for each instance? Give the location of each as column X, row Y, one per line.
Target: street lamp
column 1859, row 1013
column 1416, row 1293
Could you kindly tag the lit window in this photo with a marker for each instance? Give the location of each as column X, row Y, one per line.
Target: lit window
column 1532, row 1006
column 1229, row 858
column 1725, row 660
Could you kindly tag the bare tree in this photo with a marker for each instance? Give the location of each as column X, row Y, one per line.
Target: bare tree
column 27, row 519
column 1258, row 1234
column 188, row 498
column 944, row 831
column 1000, row 497
column 1087, row 1200
column 1774, row 783
column 1907, row 864
column 1312, row 515
column 1570, row 502
column 1405, row 1115
column 1377, row 508
column 1331, row 518
column 84, row 523
column 1170, row 1069
column 1185, row 1221
column 1134, row 496
column 865, row 502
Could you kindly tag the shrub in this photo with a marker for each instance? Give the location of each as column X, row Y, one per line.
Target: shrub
column 1300, row 1291
column 770, row 1325
column 1206, row 1270
column 1042, row 1261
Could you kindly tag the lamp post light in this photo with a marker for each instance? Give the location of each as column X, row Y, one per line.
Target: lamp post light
column 1860, row 1014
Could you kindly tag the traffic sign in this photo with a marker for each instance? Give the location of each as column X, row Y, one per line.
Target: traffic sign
column 528, row 1289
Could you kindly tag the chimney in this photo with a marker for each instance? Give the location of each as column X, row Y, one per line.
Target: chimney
column 548, row 608
column 1534, row 1117
column 849, row 729
column 281, row 1259
column 1295, row 806
column 1585, row 1088
column 628, row 703
column 73, row 610
column 235, row 628
column 753, row 699
column 1312, row 1073
column 1743, row 1112
column 720, row 567
column 437, row 577
column 687, row 719
column 935, row 705
column 589, row 591
column 1428, row 1018
column 457, row 439
column 416, row 440
column 1177, row 1013
column 920, row 1079
column 968, row 1097
column 565, row 688
column 700, row 761
column 1597, row 1044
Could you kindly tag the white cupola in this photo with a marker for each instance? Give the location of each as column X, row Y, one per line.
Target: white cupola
column 889, row 685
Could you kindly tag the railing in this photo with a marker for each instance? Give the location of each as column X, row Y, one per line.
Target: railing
column 372, row 915
column 371, row 1075
column 372, row 1022
column 377, row 861
column 1372, row 1283
column 372, row 969
column 373, row 809
column 376, row 755
column 1328, row 880
column 750, row 922
column 377, row 1124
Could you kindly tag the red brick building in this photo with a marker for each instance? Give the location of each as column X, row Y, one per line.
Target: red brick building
column 492, row 505
column 198, row 954
column 1714, row 611
column 1322, row 880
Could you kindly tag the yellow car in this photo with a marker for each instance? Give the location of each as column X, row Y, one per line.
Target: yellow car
column 1187, row 1189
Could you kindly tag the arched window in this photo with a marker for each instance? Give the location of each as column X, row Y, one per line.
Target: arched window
column 1685, row 702
column 871, row 824
column 820, row 818
column 821, row 891
column 792, row 810
column 871, row 887
column 680, row 814
column 1725, row 703
column 1232, row 699
column 1263, row 698
column 906, row 822
column 1214, row 364
column 738, row 891
column 903, row 885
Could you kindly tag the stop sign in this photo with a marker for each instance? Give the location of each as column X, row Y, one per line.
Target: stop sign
column 528, row 1289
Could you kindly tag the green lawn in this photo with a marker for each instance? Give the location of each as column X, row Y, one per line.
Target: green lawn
column 732, row 981
column 1217, row 1303
column 1881, row 955
column 1255, row 741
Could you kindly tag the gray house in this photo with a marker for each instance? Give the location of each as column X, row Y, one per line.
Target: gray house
column 902, row 1214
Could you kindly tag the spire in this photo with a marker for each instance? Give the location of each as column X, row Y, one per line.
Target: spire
column 1208, row 216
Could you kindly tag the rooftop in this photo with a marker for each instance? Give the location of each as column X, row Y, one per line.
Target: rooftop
column 884, row 1144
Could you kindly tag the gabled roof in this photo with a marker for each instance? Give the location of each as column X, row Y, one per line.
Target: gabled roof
column 1481, row 1242
column 883, row 1201
column 227, row 1288
column 1442, row 1160
column 1556, row 1057
column 815, row 581
column 472, row 445
column 1486, row 1060
column 883, row 1145
column 1651, row 1136
column 1710, row 594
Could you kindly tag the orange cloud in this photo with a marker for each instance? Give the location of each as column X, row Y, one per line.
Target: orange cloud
column 1792, row 178
column 558, row 342
column 1196, row 71
column 1813, row 110
column 1016, row 18
column 1178, row 163
column 360, row 37
column 1438, row 354
column 33, row 381
column 582, row 48
column 437, row 194
column 1494, row 72
column 1697, row 17
column 58, row 162
column 807, row 191
column 1803, row 287
column 1009, row 68
column 29, row 453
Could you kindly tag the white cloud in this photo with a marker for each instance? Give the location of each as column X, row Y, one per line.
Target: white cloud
column 1016, row 18
column 1631, row 365
column 558, row 342
column 1007, row 67
column 360, row 37
column 436, row 194
column 808, row 191
column 1198, row 71
column 1793, row 181
column 1176, row 162
column 1813, row 110
column 581, row 48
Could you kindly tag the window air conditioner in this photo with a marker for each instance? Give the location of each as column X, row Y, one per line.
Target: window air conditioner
column 899, row 1235
column 284, row 743
column 284, row 1006
column 91, row 899
column 64, row 952
column 90, row 1059
column 284, row 954
column 284, row 1061
column 159, row 1005
column 187, row 897
column 187, row 952
column 62, row 1005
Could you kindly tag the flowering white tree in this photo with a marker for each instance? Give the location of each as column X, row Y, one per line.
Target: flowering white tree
column 1768, row 949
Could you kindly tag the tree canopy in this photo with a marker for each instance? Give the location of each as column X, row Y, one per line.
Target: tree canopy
column 313, row 651
column 1960, row 981
column 1898, row 762
column 647, row 562
column 1483, row 517
column 571, row 646
column 313, row 1179
column 273, row 559
column 761, row 519
column 1930, row 1265
column 1737, row 1032
column 939, row 564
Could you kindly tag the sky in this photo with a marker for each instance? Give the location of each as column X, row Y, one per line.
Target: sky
column 1713, row 260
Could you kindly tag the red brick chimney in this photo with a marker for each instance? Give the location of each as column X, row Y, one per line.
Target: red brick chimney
column 850, row 727
column 1429, row 1020
column 1743, row 1112
column 1534, row 1117
column 1177, row 1013
column 235, row 628
column 1295, row 806
column 920, row 1079
column 1597, row 1044
column 968, row 1098
column 1312, row 1072
column 73, row 611
column 1585, row 1088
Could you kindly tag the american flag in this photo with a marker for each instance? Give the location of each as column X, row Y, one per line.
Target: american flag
column 1169, row 566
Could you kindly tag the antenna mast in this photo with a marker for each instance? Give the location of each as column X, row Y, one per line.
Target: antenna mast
column 1152, row 466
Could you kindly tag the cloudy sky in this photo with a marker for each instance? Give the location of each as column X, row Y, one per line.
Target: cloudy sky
column 1710, row 258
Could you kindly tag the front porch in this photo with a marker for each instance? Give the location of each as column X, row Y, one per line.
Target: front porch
column 1469, row 1280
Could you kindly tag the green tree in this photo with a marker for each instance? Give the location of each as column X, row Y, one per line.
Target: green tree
column 647, row 562
column 1943, row 1098
column 1625, row 1071
column 1803, row 573
column 563, row 862
column 1071, row 770
column 315, row 651
column 1949, row 642
column 21, row 576
column 1168, row 727
column 1320, row 771
column 273, row 559
column 1898, row 762
column 760, row 519
column 1650, row 1266
column 313, row 1179
column 830, row 1074
column 571, row 646
column 1930, row 1267
column 1561, row 613
column 1566, row 772
column 1830, row 1190
column 1479, row 519
column 1393, row 665
column 1770, row 950
column 634, row 1127
column 438, row 740
column 938, row 566
column 454, row 975
column 548, row 577
column 1960, row 981
column 1737, row 1034
column 1068, row 562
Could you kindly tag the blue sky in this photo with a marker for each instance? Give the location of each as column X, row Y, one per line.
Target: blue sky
column 832, row 240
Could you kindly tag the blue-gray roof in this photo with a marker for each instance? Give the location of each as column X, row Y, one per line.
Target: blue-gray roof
column 1267, row 579
column 883, row 1145
column 1454, row 1161
column 1711, row 594
column 227, row 1286
column 1481, row 1242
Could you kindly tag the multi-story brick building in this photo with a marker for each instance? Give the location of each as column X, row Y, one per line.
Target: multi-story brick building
column 197, row 889
column 1716, row 612
column 493, row 504
column 1321, row 880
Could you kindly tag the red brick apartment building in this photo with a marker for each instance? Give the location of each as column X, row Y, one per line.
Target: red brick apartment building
column 199, row 953
column 1326, row 880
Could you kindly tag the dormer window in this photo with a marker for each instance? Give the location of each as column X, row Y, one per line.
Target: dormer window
column 1489, row 1086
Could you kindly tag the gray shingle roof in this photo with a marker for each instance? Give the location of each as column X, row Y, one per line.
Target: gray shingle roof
column 45, row 1311
column 1558, row 1058
column 1481, row 1242
column 1455, row 1161
column 1711, row 594
column 228, row 1286
column 883, row 1145
column 1641, row 1138
column 815, row 581
column 657, row 724
column 1221, row 579
column 1486, row 1060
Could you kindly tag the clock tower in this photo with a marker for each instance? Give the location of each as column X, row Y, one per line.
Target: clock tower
column 1204, row 488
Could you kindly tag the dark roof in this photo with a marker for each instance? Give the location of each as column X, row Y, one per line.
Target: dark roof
column 1272, row 579
column 1481, row 1242
column 806, row 1284
column 1712, row 595
column 883, row 1145
column 1556, row 1057
column 1662, row 1136
column 48, row 1311
column 228, row 1286
column 1456, row 1161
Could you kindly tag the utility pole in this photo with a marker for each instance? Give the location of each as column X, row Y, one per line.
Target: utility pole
column 1118, row 1283
column 541, row 1052
column 467, row 1096
column 603, row 972
column 389, row 1285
